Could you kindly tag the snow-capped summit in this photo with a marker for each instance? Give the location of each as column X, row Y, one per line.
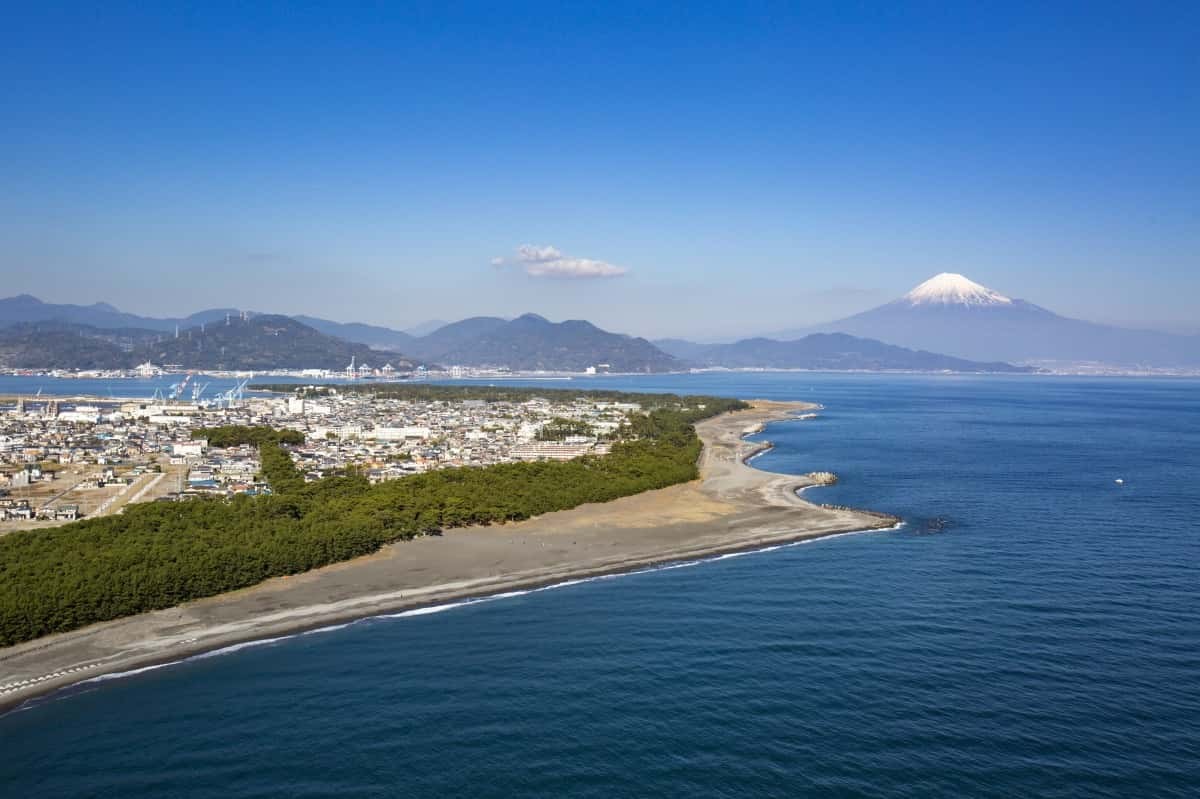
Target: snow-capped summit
column 949, row 288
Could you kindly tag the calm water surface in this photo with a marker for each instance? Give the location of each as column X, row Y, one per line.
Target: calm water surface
column 1033, row 630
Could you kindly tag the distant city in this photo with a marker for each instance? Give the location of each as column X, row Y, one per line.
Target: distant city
column 65, row 459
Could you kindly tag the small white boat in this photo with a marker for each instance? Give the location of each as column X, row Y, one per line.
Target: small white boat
column 1119, row 481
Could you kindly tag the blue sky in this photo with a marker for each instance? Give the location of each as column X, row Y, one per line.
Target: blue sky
column 742, row 169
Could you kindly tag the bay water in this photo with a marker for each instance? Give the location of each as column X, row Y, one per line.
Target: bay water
column 1032, row 630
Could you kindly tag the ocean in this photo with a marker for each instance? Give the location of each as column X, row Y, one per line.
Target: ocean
column 1032, row 630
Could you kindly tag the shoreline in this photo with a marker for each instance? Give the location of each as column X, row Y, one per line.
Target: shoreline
column 733, row 508
column 9, row 705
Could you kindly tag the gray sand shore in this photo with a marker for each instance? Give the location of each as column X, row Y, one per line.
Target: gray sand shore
column 732, row 507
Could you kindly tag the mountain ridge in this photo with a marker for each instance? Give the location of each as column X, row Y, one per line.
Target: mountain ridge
column 947, row 315
column 375, row 336
column 261, row 342
column 826, row 351
column 532, row 343
column 528, row 343
column 27, row 308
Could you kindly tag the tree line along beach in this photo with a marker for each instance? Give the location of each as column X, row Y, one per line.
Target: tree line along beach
column 730, row 507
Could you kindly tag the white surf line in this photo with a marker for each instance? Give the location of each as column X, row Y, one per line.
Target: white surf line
column 759, row 428
column 423, row 611
column 11, row 687
column 522, row 592
column 767, row 446
column 231, row 648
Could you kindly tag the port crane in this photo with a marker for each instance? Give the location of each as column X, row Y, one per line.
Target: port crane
column 233, row 395
column 177, row 389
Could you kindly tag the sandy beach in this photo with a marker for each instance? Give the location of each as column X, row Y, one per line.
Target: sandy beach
column 732, row 507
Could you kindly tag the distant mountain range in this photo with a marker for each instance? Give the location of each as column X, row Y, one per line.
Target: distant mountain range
column 951, row 314
column 527, row 343
column 947, row 323
column 34, row 334
column 826, row 351
column 256, row 343
column 25, row 308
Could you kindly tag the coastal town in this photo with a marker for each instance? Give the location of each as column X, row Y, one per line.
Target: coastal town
column 62, row 459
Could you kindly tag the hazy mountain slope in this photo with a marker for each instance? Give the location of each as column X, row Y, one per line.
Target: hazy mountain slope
column 26, row 308
column 382, row 338
column 831, row 351
column 426, row 327
column 448, row 338
column 684, row 350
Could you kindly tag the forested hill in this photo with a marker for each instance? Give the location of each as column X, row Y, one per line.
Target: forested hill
column 257, row 343
column 265, row 342
column 60, row 345
column 157, row 555
column 531, row 342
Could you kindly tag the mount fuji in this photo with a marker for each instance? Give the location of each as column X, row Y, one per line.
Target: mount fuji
column 954, row 315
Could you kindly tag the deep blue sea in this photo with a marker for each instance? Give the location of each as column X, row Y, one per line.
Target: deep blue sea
column 1033, row 630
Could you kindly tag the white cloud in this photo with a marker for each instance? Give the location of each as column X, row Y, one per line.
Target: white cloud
column 574, row 267
column 538, row 255
column 551, row 262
